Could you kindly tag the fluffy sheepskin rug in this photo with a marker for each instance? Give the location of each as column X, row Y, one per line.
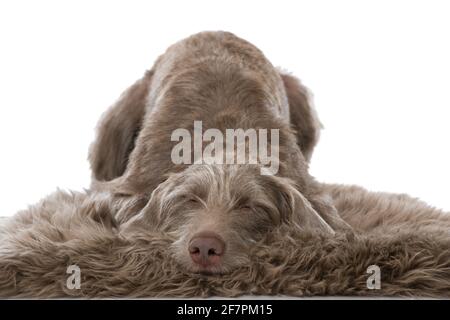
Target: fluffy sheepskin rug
column 408, row 240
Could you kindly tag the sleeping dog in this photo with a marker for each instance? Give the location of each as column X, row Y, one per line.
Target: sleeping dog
column 212, row 84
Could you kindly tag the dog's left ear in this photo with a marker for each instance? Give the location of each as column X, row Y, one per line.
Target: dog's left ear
column 314, row 210
column 303, row 116
column 295, row 208
column 322, row 202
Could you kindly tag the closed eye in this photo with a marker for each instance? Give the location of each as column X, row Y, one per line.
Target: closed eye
column 243, row 204
column 246, row 208
column 262, row 209
column 191, row 199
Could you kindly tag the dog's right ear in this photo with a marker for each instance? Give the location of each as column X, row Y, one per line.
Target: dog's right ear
column 151, row 216
column 117, row 131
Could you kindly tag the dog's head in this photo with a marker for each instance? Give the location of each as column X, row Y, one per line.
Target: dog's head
column 216, row 212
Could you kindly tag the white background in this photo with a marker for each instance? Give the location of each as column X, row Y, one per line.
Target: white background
column 380, row 72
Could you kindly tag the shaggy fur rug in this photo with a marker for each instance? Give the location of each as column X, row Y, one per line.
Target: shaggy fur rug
column 408, row 240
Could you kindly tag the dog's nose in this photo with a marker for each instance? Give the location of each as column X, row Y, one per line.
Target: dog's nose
column 206, row 249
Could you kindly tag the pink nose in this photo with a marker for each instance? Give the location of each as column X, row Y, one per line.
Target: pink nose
column 206, row 249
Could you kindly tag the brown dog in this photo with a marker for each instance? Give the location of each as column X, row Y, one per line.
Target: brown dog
column 214, row 210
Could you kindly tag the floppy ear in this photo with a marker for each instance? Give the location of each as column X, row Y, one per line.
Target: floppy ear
column 99, row 210
column 307, row 216
column 295, row 208
column 322, row 202
column 303, row 116
column 150, row 216
column 146, row 218
column 117, row 130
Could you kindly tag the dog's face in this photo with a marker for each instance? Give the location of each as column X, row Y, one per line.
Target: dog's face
column 215, row 212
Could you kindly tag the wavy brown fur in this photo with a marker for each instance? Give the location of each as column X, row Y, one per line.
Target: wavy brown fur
column 408, row 240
